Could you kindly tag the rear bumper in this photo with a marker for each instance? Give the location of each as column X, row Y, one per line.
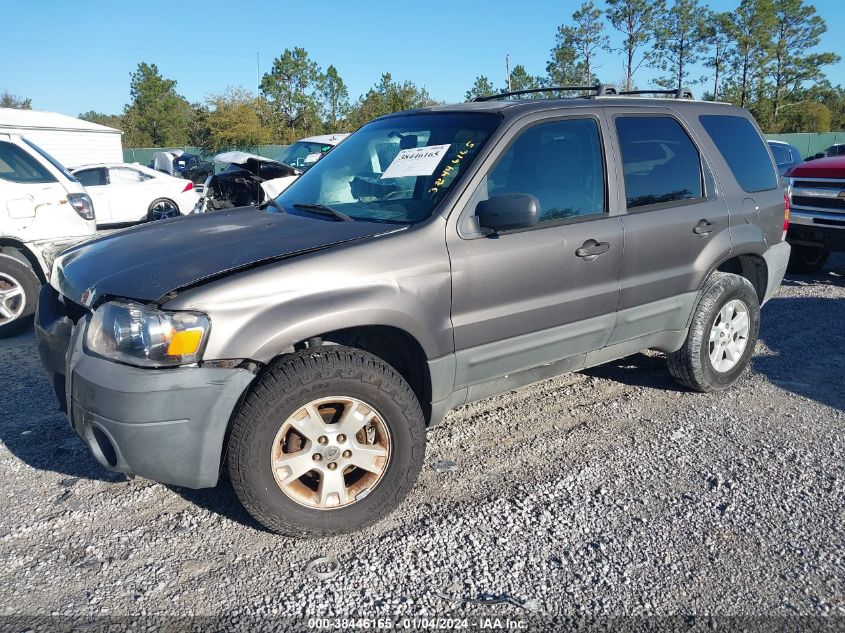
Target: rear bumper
column 168, row 425
column 777, row 258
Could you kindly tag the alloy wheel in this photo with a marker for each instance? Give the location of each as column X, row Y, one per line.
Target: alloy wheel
column 331, row 452
column 12, row 298
column 729, row 335
column 162, row 210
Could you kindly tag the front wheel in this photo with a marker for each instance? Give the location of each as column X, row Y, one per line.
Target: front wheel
column 327, row 440
column 19, row 287
column 721, row 337
column 807, row 259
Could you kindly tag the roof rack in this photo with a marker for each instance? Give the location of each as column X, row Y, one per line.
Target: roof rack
column 675, row 93
column 600, row 90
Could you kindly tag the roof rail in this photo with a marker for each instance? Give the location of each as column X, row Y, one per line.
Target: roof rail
column 600, row 90
column 675, row 93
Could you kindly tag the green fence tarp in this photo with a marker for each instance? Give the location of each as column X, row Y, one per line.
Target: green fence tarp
column 809, row 144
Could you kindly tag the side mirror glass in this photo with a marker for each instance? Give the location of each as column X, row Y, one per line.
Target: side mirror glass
column 508, row 211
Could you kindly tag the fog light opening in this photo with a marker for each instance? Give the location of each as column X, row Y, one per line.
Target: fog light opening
column 105, row 446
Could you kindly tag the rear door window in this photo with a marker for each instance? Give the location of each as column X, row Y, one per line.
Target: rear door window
column 92, row 177
column 742, row 147
column 125, row 176
column 660, row 163
column 18, row 166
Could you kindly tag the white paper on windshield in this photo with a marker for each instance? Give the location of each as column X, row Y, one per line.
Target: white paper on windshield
column 417, row 161
column 312, row 158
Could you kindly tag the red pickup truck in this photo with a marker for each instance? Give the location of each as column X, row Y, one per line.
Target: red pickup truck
column 817, row 212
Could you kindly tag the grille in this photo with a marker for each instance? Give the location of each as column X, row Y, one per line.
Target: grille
column 837, row 204
column 819, row 184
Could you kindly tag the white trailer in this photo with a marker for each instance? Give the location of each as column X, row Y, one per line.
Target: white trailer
column 71, row 141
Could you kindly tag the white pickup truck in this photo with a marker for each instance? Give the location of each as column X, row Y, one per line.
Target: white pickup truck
column 43, row 210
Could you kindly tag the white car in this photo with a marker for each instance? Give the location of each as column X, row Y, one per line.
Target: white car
column 125, row 193
column 43, row 209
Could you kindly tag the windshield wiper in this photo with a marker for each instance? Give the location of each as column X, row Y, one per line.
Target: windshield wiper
column 267, row 203
column 323, row 210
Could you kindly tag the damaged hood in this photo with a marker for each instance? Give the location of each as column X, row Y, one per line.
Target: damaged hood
column 240, row 158
column 146, row 263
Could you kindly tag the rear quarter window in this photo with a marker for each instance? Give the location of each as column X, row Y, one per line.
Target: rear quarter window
column 742, row 147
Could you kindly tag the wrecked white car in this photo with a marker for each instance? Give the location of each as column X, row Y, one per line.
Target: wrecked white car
column 248, row 180
column 43, row 210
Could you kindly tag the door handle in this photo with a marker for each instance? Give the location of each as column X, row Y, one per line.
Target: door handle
column 591, row 249
column 703, row 227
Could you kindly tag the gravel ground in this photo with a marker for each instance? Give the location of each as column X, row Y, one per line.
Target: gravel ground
column 609, row 492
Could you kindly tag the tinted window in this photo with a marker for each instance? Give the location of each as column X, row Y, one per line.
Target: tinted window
column 18, row 166
column 560, row 163
column 743, row 150
column 91, row 177
column 124, row 175
column 659, row 160
column 781, row 154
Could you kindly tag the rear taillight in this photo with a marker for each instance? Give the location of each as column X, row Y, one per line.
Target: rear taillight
column 785, row 213
column 82, row 205
column 188, row 187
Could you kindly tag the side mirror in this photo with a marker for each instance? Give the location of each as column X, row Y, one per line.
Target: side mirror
column 508, row 211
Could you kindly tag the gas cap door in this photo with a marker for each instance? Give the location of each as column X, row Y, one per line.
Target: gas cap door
column 750, row 210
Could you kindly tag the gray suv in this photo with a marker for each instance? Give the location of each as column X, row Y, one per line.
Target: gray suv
column 436, row 257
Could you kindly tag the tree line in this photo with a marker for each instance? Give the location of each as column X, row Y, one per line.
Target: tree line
column 759, row 56
column 297, row 98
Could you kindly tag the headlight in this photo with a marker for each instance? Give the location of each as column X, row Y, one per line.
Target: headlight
column 140, row 335
column 82, row 204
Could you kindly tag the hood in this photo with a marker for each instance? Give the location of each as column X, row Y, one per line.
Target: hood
column 240, row 158
column 832, row 167
column 148, row 262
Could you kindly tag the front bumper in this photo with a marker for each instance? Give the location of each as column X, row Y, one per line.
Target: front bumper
column 168, row 425
column 817, row 229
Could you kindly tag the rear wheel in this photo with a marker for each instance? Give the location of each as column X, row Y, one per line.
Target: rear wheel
column 807, row 259
column 328, row 440
column 162, row 209
column 721, row 337
column 19, row 286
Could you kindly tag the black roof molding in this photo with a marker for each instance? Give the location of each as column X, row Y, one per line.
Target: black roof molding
column 600, row 90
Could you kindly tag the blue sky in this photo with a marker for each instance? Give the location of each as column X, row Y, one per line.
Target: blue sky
column 73, row 57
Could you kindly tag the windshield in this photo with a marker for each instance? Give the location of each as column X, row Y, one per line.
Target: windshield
column 51, row 160
column 393, row 170
column 303, row 155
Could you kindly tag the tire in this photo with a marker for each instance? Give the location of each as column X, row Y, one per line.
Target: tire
column 327, row 372
column 154, row 210
column 807, row 259
column 691, row 365
column 19, row 287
